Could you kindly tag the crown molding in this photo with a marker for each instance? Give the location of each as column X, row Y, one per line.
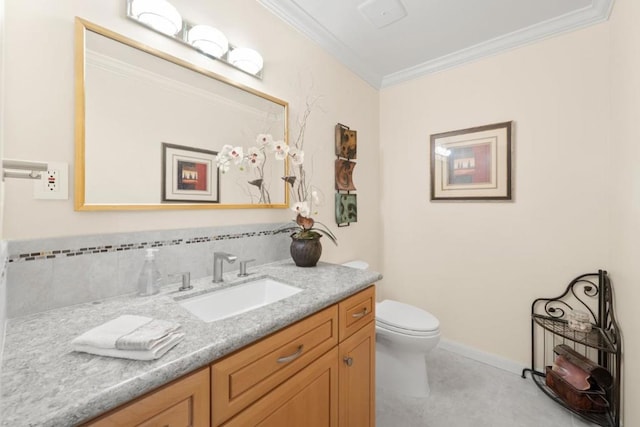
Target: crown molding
column 291, row 13
column 598, row 12
column 287, row 10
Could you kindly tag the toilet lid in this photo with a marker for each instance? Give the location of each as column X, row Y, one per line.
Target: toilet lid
column 405, row 316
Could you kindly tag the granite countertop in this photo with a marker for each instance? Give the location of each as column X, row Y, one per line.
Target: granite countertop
column 45, row 383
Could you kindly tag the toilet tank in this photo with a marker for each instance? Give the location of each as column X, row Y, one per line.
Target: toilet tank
column 359, row 264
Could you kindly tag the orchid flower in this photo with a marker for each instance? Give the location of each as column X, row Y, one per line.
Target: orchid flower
column 223, row 163
column 281, row 150
column 223, row 159
column 255, row 157
column 236, row 155
column 297, row 156
column 301, row 208
column 264, row 140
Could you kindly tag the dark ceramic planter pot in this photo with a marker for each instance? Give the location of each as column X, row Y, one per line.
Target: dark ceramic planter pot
column 306, row 252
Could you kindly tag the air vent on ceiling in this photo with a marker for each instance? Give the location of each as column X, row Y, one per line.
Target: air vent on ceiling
column 382, row 12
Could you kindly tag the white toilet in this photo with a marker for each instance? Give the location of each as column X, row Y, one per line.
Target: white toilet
column 404, row 336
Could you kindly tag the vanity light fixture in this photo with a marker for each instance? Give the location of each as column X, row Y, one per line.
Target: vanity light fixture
column 209, row 40
column 246, row 59
column 157, row 14
column 162, row 17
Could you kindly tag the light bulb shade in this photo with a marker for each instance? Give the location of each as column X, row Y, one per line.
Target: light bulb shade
column 209, row 40
column 158, row 14
column 246, row 59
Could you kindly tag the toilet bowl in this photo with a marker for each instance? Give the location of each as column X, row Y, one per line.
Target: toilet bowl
column 404, row 336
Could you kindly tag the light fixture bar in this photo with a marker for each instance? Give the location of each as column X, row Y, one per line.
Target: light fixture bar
column 210, row 48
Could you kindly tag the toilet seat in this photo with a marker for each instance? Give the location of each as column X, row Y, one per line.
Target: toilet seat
column 408, row 332
column 406, row 319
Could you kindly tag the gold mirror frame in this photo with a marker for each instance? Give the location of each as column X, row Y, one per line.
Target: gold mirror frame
column 80, row 204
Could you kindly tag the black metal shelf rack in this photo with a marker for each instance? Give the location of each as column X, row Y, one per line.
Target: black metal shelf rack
column 592, row 293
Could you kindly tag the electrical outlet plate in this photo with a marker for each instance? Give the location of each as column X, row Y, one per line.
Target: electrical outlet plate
column 54, row 182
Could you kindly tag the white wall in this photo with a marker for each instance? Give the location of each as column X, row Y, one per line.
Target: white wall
column 478, row 266
column 625, row 226
column 3, row 246
column 40, row 114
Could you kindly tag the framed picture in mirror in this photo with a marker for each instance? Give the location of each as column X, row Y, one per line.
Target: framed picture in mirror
column 189, row 175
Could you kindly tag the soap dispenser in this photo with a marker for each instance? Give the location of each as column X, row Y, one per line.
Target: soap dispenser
column 150, row 278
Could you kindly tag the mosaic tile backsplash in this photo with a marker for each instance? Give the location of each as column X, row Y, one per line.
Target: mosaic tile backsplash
column 45, row 274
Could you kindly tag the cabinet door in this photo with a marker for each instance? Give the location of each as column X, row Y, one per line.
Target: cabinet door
column 357, row 378
column 309, row 399
column 182, row 403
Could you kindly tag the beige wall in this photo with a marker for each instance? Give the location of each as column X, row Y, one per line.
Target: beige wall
column 2, row 102
column 3, row 281
column 40, row 114
column 574, row 100
column 478, row 266
column 625, row 206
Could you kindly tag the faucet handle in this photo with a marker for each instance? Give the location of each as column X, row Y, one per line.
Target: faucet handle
column 243, row 267
column 225, row 256
column 186, row 280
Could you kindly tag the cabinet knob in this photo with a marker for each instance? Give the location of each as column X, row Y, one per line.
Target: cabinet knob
column 348, row 360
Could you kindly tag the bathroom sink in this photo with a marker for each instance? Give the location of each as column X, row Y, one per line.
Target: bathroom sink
column 238, row 299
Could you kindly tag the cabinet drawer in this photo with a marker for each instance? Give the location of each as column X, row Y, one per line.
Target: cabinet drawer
column 356, row 311
column 244, row 377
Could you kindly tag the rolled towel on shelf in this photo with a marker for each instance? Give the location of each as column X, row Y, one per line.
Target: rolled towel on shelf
column 130, row 337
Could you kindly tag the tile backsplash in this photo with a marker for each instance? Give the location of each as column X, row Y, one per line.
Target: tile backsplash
column 44, row 274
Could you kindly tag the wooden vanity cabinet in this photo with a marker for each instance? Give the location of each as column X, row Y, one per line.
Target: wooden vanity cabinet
column 317, row 372
column 333, row 386
column 181, row 403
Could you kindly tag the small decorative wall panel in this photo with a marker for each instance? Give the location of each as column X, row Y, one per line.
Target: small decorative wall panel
column 346, row 151
column 344, row 175
column 346, row 208
column 346, row 142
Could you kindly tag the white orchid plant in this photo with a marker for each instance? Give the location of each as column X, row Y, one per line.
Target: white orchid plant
column 254, row 158
column 305, row 197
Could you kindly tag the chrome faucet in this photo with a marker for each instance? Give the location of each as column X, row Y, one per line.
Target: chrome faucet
column 218, row 258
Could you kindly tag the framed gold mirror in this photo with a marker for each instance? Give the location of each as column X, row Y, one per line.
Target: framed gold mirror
column 150, row 126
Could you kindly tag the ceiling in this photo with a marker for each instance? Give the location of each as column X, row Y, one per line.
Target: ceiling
column 389, row 41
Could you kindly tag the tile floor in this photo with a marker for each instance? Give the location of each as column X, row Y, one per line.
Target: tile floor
column 467, row 393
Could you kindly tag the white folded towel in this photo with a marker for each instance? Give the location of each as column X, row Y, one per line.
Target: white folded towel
column 147, row 336
column 129, row 336
column 156, row 353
